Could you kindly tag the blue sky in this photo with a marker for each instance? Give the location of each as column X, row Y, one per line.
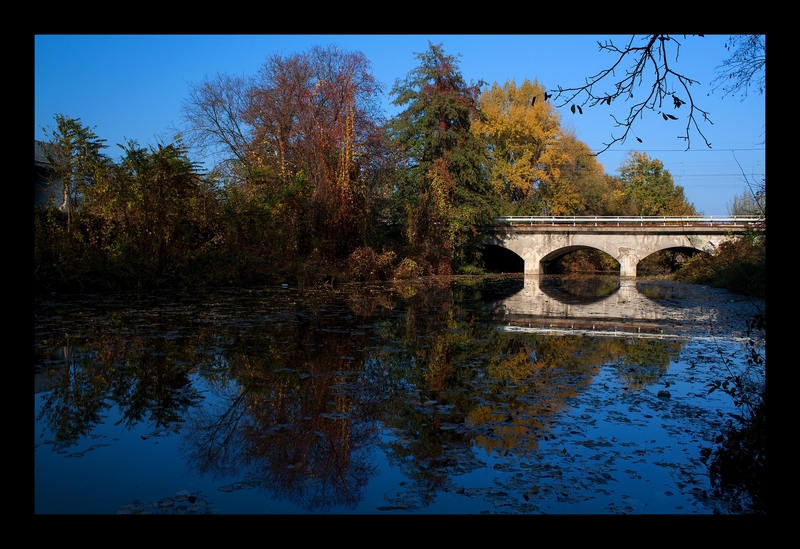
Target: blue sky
column 133, row 86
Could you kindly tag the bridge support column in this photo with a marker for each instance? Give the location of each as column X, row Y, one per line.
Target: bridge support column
column 531, row 260
column 627, row 264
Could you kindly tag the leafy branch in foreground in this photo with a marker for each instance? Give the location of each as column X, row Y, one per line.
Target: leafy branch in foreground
column 651, row 68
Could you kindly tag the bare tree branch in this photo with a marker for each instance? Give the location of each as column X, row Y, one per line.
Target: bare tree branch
column 758, row 194
column 214, row 115
column 650, row 69
column 745, row 67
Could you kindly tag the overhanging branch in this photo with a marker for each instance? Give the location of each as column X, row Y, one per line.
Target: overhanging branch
column 650, row 69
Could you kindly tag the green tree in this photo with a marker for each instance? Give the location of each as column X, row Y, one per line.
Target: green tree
column 650, row 190
column 442, row 194
column 141, row 221
column 74, row 154
column 160, row 190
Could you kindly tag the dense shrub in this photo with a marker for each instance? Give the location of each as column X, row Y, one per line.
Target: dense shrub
column 738, row 266
column 365, row 264
column 408, row 268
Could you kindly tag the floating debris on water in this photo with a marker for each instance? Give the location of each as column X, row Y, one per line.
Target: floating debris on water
column 184, row 503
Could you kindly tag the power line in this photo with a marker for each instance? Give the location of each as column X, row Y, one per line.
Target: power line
column 685, row 151
column 713, row 175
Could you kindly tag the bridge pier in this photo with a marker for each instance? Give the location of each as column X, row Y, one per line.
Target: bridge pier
column 627, row 264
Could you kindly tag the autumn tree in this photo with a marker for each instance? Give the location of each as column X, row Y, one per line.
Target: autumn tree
column 302, row 136
column 582, row 181
column 650, row 190
column 535, row 165
column 520, row 129
column 442, row 192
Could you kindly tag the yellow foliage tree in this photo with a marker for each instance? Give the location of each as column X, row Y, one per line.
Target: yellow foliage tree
column 579, row 185
column 519, row 128
column 535, row 165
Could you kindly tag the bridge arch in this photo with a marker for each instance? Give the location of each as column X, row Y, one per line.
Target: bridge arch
column 501, row 259
column 548, row 262
column 687, row 252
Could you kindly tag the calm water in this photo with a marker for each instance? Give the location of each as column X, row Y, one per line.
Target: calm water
column 497, row 395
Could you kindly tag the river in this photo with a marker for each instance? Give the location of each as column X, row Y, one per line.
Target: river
column 502, row 394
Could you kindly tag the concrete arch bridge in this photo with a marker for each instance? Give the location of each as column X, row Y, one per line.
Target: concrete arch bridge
column 541, row 240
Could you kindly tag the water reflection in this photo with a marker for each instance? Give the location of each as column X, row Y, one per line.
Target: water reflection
column 292, row 392
column 296, row 412
column 637, row 304
column 581, row 289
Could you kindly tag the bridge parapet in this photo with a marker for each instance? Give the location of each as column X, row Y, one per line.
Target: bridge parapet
column 685, row 221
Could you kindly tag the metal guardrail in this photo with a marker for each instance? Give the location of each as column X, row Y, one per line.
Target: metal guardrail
column 626, row 220
column 613, row 333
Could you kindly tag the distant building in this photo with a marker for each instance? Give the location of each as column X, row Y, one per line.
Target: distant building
column 47, row 190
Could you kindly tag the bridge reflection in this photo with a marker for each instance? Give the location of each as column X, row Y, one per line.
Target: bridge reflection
column 618, row 307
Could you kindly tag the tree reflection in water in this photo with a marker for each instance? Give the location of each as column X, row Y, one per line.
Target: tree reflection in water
column 143, row 371
column 296, row 419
